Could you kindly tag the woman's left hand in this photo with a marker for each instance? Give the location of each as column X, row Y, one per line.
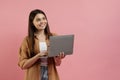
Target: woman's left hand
column 58, row 58
column 61, row 55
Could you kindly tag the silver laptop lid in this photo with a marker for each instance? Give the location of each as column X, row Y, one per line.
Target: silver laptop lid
column 61, row 43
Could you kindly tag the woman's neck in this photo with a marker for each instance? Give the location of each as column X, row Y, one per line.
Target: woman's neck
column 40, row 35
column 42, row 32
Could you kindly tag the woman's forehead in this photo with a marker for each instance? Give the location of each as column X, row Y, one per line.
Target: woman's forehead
column 39, row 15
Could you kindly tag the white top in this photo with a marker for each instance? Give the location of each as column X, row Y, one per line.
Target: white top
column 43, row 47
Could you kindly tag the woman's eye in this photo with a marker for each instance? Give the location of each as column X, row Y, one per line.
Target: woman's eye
column 38, row 20
column 44, row 18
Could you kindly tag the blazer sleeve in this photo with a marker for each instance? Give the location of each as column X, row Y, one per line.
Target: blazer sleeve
column 23, row 53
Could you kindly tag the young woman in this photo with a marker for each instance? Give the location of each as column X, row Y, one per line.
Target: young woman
column 33, row 50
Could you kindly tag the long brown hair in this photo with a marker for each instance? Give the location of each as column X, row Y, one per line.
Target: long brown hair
column 32, row 29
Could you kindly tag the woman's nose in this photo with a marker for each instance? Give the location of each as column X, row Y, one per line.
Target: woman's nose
column 42, row 21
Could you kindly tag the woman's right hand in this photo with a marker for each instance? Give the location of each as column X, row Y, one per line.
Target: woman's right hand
column 32, row 60
column 42, row 53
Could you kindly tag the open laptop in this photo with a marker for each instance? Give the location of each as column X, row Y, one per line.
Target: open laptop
column 61, row 43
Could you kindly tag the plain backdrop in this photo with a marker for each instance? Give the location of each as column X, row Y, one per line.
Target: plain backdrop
column 95, row 23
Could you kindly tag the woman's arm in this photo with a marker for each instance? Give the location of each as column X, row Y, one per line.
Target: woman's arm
column 32, row 60
column 24, row 56
column 29, row 62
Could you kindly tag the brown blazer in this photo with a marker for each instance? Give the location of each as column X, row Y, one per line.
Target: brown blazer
column 33, row 72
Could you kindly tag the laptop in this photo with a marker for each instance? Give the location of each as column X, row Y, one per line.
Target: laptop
column 61, row 43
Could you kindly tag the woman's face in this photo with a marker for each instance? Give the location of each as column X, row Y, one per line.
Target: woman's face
column 40, row 21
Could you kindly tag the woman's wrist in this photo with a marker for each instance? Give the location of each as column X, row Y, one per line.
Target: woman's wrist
column 38, row 56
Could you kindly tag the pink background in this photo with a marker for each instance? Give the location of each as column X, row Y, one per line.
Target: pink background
column 95, row 23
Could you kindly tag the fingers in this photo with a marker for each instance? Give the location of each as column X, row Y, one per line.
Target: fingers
column 61, row 55
column 43, row 53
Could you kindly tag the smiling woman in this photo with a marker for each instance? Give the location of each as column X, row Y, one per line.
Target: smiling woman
column 40, row 22
column 33, row 50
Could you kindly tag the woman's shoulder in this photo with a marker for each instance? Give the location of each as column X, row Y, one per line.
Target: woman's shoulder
column 54, row 34
column 25, row 39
